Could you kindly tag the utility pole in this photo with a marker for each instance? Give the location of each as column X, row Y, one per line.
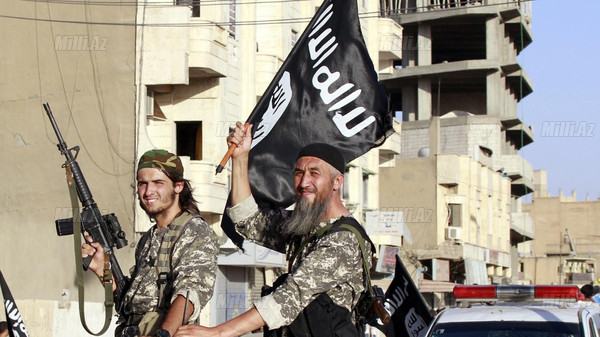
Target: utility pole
column 560, row 267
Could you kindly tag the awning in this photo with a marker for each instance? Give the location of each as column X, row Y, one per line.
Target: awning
column 429, row 286
column 253, row 255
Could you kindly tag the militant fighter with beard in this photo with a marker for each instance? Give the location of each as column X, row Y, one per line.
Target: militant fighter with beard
column 325, row 267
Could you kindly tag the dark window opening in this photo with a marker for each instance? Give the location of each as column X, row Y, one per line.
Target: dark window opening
column 189, row 139
column 193, row 4
column 458, row 42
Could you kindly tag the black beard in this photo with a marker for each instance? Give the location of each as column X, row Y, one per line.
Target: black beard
column 305, row 216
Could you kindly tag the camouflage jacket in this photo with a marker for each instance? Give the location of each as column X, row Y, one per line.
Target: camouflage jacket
column 331, row 264
column 193, row 261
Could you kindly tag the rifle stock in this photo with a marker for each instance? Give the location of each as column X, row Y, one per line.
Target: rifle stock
column 104, row 229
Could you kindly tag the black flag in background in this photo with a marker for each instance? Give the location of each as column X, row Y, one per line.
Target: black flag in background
column 326, row 91
column 411, row 315
column 16, row 326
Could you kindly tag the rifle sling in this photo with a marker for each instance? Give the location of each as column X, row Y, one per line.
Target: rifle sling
column 108, row 293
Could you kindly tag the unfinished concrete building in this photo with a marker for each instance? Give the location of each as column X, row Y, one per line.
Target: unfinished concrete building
column 456, row 90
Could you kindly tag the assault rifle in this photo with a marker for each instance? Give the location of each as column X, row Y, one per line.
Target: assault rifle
column 104, row 229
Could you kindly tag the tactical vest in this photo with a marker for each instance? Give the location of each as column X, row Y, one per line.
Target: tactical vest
column 322, row 317
column 164, row 274
column 148, row 323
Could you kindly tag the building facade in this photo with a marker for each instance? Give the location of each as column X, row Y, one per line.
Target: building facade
column 79, row 58
column 456, row 91
column 565, row 247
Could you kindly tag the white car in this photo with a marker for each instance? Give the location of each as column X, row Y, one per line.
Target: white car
column 520, row 311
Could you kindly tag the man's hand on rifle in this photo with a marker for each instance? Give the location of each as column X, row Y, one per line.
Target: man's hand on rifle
column 94, row 249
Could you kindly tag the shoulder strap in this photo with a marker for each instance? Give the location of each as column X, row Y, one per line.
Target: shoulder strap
column 319, row 233
column 344, row 223
column 163, row 263
column 349, row 224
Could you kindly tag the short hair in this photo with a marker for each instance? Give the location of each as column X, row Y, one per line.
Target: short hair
column 587, row 290
column 3, row 326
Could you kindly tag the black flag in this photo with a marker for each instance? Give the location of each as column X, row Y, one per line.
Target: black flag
column 411, row 315
column 326, row 91
column 16, row 326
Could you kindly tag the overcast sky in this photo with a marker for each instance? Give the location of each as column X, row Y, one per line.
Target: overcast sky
column 563, row 62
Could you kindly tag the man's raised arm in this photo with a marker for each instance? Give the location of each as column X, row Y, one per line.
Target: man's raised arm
column 240, row 184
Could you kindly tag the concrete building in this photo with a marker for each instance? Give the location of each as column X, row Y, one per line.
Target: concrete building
column 456, row 91
column 67, row 55
column 565, row 249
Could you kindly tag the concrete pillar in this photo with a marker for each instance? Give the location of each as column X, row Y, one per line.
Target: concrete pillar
column 434, row 136
column 409, row 103
column 424, row 45
column 494, row 87
column 424, row 99
column 493, row 38
column 540, row 178
column 409, row 49
column 493, row 93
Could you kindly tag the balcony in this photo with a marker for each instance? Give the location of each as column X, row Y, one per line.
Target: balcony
column 518, row 80
column 521, row 227
column 210, row 190
column 516, row 13
column 208, row 50
column 267, row 66
column 517, row 133
column 390, row 39
column 165, row 49
column 520, row 173
column 391, row 148
column 466, row 69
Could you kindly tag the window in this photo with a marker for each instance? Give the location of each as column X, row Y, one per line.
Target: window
column 365, row 181
column 232, row 18
column 189, row 139
column 195, row 8
column 345, row 187
column 454, row 218
column 193, row 4
column 506, row 328
column 294, row 38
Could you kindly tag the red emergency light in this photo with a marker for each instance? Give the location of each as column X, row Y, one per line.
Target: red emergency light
column 515, row 292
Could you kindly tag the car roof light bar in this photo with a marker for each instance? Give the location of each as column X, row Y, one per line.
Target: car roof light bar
column 514, row 293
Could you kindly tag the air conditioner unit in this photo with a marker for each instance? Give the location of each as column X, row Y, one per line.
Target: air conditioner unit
column 453, row 233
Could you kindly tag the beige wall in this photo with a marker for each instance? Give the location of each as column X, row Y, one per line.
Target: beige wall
column 411, row 186
column 552, row 216
column 85, row 71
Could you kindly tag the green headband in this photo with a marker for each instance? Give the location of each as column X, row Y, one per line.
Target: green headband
column 162, row 160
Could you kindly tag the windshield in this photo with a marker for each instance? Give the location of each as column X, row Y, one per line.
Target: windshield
column 505, row 329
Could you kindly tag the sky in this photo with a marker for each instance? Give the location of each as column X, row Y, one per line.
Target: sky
column 563, row 62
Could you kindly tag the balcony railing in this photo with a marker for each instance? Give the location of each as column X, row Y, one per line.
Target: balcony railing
column 392, row 7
